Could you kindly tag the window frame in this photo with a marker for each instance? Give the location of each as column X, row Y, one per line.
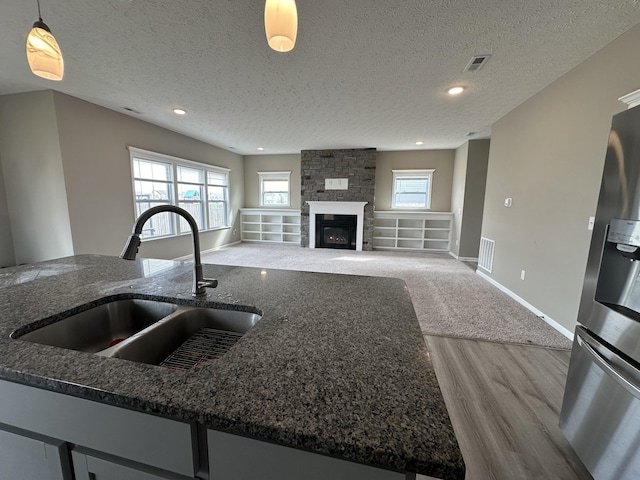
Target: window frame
column 277, row 176
column 417, row 173
column 177, row 226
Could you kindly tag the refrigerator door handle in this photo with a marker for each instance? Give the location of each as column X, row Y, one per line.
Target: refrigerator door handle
column 615, row 373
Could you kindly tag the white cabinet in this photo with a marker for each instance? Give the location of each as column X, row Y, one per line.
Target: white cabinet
column 261, row 225
column 27, row 456
column 93, row 467
column 232, row 457
column 274, row 225
column 429, row 231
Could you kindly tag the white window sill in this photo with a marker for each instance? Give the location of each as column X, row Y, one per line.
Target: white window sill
column 164, row 237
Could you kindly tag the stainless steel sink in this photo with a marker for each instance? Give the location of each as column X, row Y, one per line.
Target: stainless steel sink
column 188, row 338
column 158, row 333
column 101, row 327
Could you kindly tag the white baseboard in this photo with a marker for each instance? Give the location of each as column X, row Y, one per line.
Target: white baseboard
column 220, row 247
column 528, row 306
column 464, row 259
column 190, row 256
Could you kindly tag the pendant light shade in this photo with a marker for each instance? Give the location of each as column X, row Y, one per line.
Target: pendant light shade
column 43, row 53
column 281, row 24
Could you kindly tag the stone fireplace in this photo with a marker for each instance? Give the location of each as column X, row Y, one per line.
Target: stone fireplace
column 338, row 182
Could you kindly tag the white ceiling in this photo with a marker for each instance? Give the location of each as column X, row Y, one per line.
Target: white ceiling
column 363, row 73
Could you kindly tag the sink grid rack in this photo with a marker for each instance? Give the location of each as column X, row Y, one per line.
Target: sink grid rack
column 204, row 346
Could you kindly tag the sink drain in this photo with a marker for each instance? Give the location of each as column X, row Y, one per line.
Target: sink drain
column 205, row 345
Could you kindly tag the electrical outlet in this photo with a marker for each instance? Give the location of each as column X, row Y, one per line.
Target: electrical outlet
column 522, row 273
column 592, row 221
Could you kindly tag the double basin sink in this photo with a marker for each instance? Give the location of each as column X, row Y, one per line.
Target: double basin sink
column 147, row 331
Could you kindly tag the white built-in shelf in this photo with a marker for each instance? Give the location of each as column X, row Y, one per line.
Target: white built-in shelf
column 270, row 225
column 396, row 230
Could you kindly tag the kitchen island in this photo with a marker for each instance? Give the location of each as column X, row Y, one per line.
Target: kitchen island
column 337, row 368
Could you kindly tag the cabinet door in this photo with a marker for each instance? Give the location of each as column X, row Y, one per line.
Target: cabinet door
column 141, row 438
column 23, row 457
column 89, row 467
column 232, row 457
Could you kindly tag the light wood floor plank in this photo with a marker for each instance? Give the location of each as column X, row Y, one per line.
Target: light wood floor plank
column 504, row 402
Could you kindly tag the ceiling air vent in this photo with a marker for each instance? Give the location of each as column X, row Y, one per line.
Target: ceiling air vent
column 476, row 62
column 129, row 109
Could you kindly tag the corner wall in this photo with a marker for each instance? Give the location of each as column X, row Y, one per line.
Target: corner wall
column 475, row 188
column 548, row 155
column 457, row 195
column 97, row 169
column 7, row 254
column 467, row 197
column 33, row 177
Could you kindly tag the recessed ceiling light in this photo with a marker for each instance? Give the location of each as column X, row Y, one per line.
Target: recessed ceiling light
column 419, row 142
column 455, row 90
column 261, row 148
column 179, row 111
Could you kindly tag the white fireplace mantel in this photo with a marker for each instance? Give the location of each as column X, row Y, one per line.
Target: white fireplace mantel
column 336, row 208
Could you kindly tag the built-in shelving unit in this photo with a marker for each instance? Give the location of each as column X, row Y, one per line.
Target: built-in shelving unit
column 270, row 225
column 412, row 230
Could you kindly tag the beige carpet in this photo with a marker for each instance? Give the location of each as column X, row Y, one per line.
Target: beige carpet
column 450, row 299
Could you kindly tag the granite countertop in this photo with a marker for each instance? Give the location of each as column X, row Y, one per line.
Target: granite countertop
column 337, row 365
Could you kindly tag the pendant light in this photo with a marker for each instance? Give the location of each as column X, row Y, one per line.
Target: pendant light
column 43, row 53
column 281, row 24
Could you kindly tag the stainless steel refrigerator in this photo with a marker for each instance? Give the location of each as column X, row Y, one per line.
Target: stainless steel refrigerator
column 601, row 408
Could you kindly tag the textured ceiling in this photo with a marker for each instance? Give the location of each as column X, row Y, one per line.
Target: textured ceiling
column 363, row 73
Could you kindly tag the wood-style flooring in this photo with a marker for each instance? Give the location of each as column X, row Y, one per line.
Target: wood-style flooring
column 504, row 402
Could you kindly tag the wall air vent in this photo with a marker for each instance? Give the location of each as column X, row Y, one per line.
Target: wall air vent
column 476, row 63
column 485, row 255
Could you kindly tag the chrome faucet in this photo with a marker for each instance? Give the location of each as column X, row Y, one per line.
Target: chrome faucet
column 200, row 284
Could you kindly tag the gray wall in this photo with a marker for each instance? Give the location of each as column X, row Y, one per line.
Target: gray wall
column 33, row 177
column 270, row 163
column 548, row 155
column 441, row 160
column 7, row 255
column 93, row 144
column 457, row 195
column 474, row 192
column 467, row 197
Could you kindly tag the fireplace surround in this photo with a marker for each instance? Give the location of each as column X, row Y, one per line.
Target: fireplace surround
column 336, row 208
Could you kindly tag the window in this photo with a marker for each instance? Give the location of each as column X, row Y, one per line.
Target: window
column 275, row 189
column 412, row 188
column 202, row 190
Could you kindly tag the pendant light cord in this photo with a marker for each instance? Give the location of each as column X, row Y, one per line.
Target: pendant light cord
column 39, row 14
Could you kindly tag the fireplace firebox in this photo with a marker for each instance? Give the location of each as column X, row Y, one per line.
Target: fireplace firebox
column 336, row 231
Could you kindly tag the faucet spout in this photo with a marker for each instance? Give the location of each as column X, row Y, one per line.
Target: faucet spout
column 200, row 284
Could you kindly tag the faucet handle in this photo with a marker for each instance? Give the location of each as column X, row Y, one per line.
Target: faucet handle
column 208, row 282
column 200, row 288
